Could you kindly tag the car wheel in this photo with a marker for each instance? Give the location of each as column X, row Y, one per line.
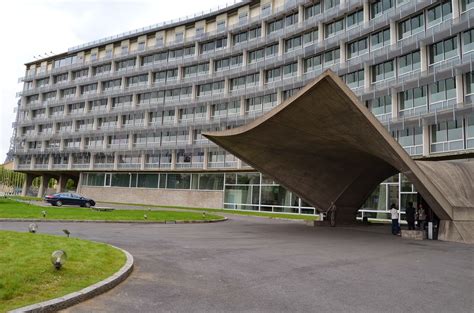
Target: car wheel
column 59, row 203
column 87, row 204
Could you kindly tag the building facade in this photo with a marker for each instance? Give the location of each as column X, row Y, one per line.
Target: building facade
column 124, row 116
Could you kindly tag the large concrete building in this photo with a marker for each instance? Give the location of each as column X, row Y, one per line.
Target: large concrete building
column 123, row 116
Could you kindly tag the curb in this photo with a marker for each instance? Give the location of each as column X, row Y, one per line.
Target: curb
column 111, row 221
column 83, row 294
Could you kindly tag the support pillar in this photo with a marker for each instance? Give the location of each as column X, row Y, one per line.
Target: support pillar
column 43, row 185
column 27, row 184
column 61, row 186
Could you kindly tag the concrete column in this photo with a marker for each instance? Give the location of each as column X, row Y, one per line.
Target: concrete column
column 393, row 33
column 173, row 159
column 61, row 144
column 245, row 58
column 180, row 73
column 279, row 93
column 134, row 100
column 146, row 119
column 138, row 62
column 264, row 29
column 176, row 115
column 343, row 53
column 100, row 87
column 211, row 67
column 226, row 86
column 95, row 124
column 50, row 162
column 229, row 41
column 43, row 185
column 459, row 90
column 78, row 92
column 43, row 145
column 116, row 160
column 61, row 185
column 456, row 9
column 69, row 76
column 366, row 8
column 261, row 78
column 130, row 141
column 66, row 110
column 300, row 67
column 27, row 184
column 109, row 104
column 89, row 72
column 150, row 78
column 142, row 161
column 91, row 161
column 208, row 112
column 423, row 58
column 320, row 32
column 281, row 47
column 196, row 49
column 426, row 140
column 300, row 14
column 206, row 159
column 119, row 121
column 242, row 106
column 190, row 135
column 194, row 91
column 394, row 96
column 124, row 83
column 33, row 162
column 105, row 143
column 69, row 162
column 82, row 144
column 367, row 78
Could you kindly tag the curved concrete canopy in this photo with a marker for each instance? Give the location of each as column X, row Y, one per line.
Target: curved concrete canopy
column 328, row 148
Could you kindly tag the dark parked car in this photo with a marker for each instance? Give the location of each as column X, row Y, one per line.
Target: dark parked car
column 58, row 199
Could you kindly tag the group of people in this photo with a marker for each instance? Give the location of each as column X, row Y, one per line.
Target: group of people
column 412, row 215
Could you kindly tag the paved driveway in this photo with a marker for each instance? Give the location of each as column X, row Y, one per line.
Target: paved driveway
column 250, row 264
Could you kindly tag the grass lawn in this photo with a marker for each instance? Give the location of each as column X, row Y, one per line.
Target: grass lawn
column 229, row 211
column 27, row 275
column 14, row 209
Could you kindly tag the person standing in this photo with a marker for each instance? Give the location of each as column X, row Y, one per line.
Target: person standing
column 394, row 216
column 410, row 216
column 421, row 217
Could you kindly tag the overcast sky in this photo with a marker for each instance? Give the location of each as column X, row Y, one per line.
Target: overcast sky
column 35, row 27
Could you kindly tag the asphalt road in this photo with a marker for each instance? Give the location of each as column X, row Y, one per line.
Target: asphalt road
column 250, row 264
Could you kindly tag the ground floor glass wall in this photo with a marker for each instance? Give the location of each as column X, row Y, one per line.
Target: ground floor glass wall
column 257, row 192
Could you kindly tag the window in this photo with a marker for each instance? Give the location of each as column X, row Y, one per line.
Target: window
column 411, row 26
column 467, row 5
column 381, row 105
column 357, row 48
column 411, row 139
column 442, row 91
column 330, row 4
column 42, row 82
column 310, row 36
column 126, row 64
column 290, row 70
column 413, row 101
column 99, row 105
column 247, row 35
column 354, row 19
column 468, row 41
column 379, row 7
column 80, row 74
column 112, row 84
column 155, row 58
column 199, row 31
column 266, row 9
column 244, row 81
column 211, row 88
column 443, row 50
column 469, row 83
column 380, row 39
column 292, row 43
column 168, row 116
column 273, row 75
column 275, row 26
column 313, row 63
column 159, row 41
column 409, row 62
column 260, row 54
column 168, row 75
column 231, row 62
column 331, row 57
column 61, row 78
column 123, row 101
column 383, row 71
column 214, row 45
column 221, row 26
column 291, row 19
column 195, row 70
column 88, row 89
column 138, row 80
column 179, row 37
column 439, row 13
column 355, row 79
column 312, row 10
column 141, row 46
column 447, row 136
column 102, row 69
column 332, row 29
column 69, row 92
column 469, row 125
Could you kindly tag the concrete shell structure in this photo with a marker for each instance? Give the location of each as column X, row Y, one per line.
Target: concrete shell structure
column 327, row 147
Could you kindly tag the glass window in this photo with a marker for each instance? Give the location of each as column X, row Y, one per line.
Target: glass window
column 470, row 83
column 443, row 50
column 383, row 71
column 379, row 7
column 409, row 62
column 439, row 13
column 334, row 28
column 411, row 26
column 443, row 90
column 357, row 48
column 380, row 39
column 354, row 19
column 382, row 105
column 120, row 180
column 468, row 41
column 178, row 181
column 312, row 10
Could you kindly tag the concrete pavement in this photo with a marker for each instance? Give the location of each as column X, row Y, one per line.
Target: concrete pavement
column 259, row 265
